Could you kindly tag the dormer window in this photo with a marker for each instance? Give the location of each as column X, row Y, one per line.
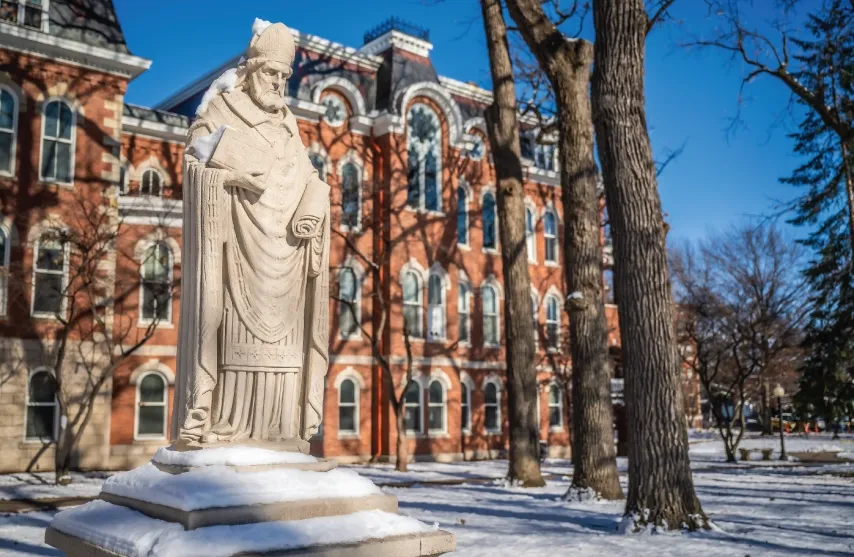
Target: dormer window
column 26, row 13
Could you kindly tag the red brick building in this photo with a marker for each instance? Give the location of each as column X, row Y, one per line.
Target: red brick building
column 415, row 237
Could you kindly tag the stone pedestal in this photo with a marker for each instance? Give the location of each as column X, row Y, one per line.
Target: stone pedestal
column 243, row 501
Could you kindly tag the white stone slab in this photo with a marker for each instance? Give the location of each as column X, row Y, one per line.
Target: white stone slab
column 230, row 456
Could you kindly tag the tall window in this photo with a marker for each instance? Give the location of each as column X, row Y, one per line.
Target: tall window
column 348, row 304
column 492, row 403
column 8, row 122
column 535, row 311
column 465, row 407
column 412, row 303
column 152, row 183
column 157, row 284
column 490, row 230
column 553, row 322
column 351, row 208
column 555, row 408
column 545, row 156
column 412, row 403
column 437, row 408
column 464, row 312
column 424, row 148
column 436, row 307
column 531, row 234
column 57, row 142
column 151, row 407
column 348, row 408
column 550, row 235
column 319, row 164
column 5, row 248
column 490, row 316
column 49, row 276
column 462, row 216
column 41, row 406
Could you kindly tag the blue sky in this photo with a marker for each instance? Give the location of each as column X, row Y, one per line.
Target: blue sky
column 719, row 179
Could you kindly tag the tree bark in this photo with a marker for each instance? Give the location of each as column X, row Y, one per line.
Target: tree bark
column 522, row 388
column 567, row 65
column 661, row 488
column 402, row 462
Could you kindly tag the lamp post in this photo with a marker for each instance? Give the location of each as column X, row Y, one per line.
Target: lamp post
column 779, row 392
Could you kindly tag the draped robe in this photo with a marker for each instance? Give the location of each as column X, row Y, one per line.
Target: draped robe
column 253, row 332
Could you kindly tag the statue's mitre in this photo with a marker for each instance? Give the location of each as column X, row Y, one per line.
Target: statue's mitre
column 275, row 43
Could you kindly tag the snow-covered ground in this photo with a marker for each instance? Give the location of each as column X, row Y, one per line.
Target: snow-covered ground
column 764, row 509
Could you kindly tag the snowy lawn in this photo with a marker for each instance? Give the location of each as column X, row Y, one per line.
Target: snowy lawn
column 764, row 509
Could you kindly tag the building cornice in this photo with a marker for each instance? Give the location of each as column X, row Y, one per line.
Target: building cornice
column 131, row 125
column 151, row 211
column 400, row 41
column 64, row 50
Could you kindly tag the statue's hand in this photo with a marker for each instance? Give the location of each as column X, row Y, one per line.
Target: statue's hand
column 243, row 180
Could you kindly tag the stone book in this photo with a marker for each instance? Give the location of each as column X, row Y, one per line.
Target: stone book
column 235, row 151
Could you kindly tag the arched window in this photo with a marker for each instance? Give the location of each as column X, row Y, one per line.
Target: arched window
column 491, row 327
column 553, row 322
column 550, row 235
column 424, row 148
column 41, row 406
column 492, row 403
column 490, row 230
column 348, row 408
column 151, row 397
column 49, row 276
column 156, row 284
column 465, row 407
column 412, row 304
column 5, row 249
column 531, row 234
column 351, row 205
column 412, row 404
column 462, row 216
column 436, row 307
column 8, row 130
column 437, row 409
column 464, row 312
column 151, row 184
column 319, row 164
column 555, row 408
column 349, row 306
column 57, row 142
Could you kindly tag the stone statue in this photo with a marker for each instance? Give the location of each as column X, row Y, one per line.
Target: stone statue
column 253, row 334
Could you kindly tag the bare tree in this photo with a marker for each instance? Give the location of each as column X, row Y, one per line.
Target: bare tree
column 661, row 488
column 501, row 118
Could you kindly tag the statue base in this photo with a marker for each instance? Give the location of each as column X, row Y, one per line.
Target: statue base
column 224, row 502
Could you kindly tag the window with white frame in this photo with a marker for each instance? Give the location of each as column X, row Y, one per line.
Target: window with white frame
column 464, row 312
column 462, row 216
column 156, row 271
column 436, row 313
column 535, row 311
column 348, row 408
column 555, row 408
column 8, row 130
column 545, row 156
column 351, row 207
column 531, row 234
column 492, row 407
column 412, row 406
column 41, row 418
column 336, row 110
column 437, row 408
column 349, row 310
column 552, row 322
column 151, row 396
column 26, row 13
column 58, row 127
column 49, row 276
column 318, row 161
column 151, row 184
column 5, row 249
column 465, row 407
column 490, row 224
column 550, row 235
column 491, row 327
column 413, row 304
column 424, row 149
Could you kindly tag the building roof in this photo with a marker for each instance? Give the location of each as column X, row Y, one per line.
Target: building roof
column 92, row 22
column 155, row 116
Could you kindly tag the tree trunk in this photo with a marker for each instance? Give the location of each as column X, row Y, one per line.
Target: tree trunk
column 62, row 456
column 522, row 388
column 766, row 409
column 402, row 462
column 567, row 65
column 661, row 489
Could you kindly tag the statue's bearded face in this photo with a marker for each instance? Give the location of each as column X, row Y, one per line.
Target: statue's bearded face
column 267, row 85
